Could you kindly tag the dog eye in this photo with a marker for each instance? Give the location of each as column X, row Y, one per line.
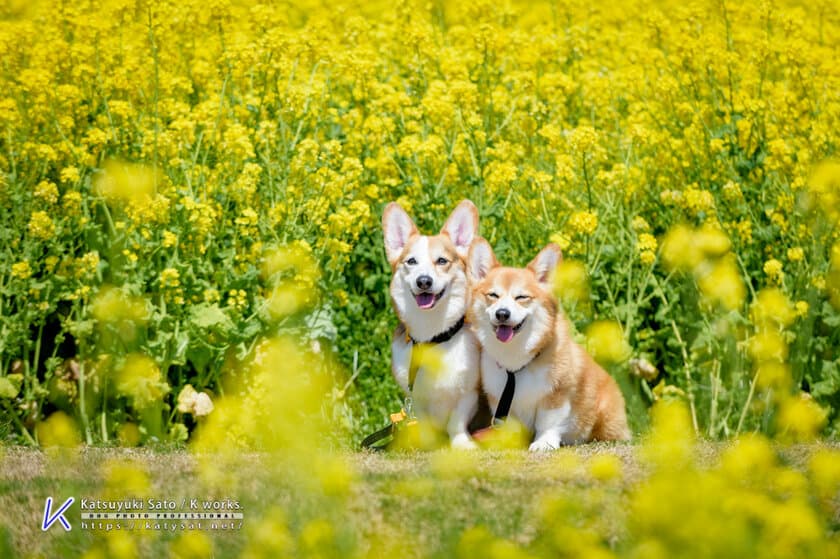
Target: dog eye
column 442, row 261
column 411, row 261
column 522, row 297
column 492, row 295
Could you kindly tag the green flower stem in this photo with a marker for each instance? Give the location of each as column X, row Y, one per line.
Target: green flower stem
column 23, row 430
column 82, row 406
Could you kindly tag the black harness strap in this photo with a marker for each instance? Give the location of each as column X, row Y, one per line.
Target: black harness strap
column 503, row 409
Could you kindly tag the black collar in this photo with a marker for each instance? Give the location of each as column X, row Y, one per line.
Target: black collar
column 443, row 336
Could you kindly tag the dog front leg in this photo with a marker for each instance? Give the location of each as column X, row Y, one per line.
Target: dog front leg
column 401, row 361
column 546, row 440
column 550, row 426
column 459, row 419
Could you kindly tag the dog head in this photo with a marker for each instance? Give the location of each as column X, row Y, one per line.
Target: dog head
column 513, row 309
column 429, row 283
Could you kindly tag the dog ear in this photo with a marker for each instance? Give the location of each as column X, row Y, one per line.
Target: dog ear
column 398, row 228
column 544, row 264
column 480, row 260
column 462, row 227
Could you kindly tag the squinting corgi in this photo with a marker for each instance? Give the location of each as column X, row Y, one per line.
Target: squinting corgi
column 560, row 393
column 430, row 295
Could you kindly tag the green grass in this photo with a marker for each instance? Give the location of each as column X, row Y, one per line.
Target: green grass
column 427, row 498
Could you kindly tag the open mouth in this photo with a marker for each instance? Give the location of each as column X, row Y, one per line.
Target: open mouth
column 428, row 300
column 505, row 332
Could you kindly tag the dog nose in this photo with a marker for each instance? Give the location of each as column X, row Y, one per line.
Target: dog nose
column 424, row 282
column 502, row 315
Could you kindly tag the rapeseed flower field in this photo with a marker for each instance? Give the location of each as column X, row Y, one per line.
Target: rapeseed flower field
column 191, row 256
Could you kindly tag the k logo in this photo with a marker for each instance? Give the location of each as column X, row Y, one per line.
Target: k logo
column 49, row 518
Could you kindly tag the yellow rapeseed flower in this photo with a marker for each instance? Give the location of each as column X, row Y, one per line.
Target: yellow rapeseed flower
column 59, row 429
column 41, row 226
column 772, row 308
column 773, row 269
column 584, row 223
column 722, row 284
column 46, row 191
column 126, row 182
column 571, row 284
column 21, row 270
column 140, row 379
column 795, row 254
column 800, row 418
column 169, row 278
column 605, row 341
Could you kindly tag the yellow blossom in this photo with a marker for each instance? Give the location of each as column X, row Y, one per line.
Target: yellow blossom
column 605, row 341
column 41, row 226
column 773, row 269
column 46, row 191
column 58, row 429
column 139, row 378
column 21, row 270
column 169, row 239
column 795, row 254
column 571, row 283
column 583, row 222
column 169, row 278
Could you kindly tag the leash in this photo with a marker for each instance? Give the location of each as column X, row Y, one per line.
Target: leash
column 384, row 433
column 407, row 412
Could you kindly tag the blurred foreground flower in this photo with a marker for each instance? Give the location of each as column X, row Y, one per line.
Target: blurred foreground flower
column 605, row 467
column 140, row 379
column 800, row 419
column 191, row 545
column 509, row 435
column 58, row 430
column 571, row 284
column 126, row 182
column 125, row 478
column 605, row 341
column 291, row 272
column 119, row 316
column 671, row 439
column 684, row 248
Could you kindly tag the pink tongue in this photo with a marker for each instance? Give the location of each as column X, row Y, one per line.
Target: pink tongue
column 425, row 300
column 504, row 333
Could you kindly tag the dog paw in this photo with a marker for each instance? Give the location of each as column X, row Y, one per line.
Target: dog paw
column 463, row 442
column 541, row 446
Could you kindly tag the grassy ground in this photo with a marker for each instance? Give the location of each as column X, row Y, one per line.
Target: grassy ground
column 431, row 497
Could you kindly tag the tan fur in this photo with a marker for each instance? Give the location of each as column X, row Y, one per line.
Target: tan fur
column 595, row 398
column 439, row 245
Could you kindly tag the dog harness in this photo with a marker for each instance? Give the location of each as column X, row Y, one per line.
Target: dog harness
column 503, row 409
column 407, row 412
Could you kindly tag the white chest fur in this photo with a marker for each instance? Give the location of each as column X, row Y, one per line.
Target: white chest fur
column 451, row 373
column 533, row 385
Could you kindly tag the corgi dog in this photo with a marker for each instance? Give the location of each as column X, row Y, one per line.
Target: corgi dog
column 430, row 294
column 559, row 392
